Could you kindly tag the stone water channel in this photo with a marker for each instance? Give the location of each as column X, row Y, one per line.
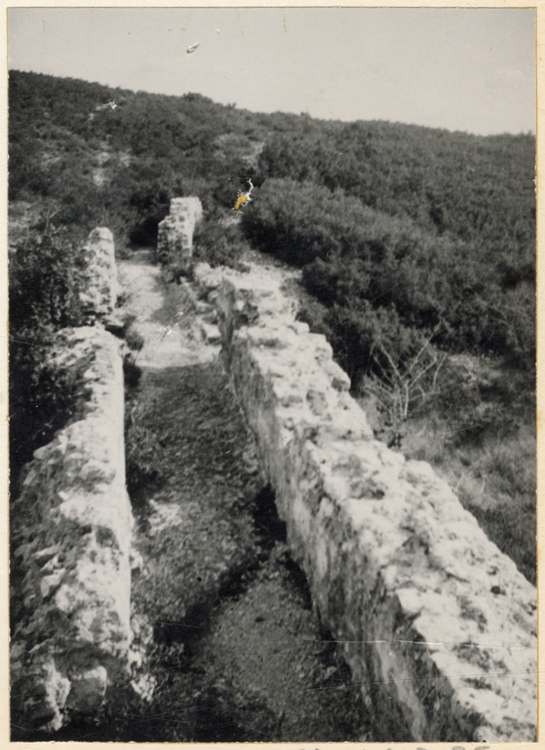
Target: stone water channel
column 218, row 628
column 227, row 645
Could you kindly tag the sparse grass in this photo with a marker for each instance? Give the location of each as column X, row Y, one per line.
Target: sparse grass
column 512, row 465
column 478, row 433
column 179, row 305
column 142, row 450
column 133, row 339
column 494, row 478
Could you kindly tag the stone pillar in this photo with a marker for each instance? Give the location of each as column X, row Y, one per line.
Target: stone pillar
column 100, row 285
column 175, row 233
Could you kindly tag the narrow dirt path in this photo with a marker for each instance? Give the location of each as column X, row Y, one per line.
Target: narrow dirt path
column 227, row 646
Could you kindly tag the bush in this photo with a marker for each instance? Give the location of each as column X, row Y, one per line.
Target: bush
column 45, row 273
column 43, row 397
column 142, row 453
column 131, row 372
column 219, row 243
column 146, row 232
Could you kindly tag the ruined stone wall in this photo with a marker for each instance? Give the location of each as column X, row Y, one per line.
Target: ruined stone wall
column 70, row 534
column 175, row 232
column 438, row 626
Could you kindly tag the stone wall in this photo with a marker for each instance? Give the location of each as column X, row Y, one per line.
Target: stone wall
column 175, row 233
column 70, row 531
column 438, row 626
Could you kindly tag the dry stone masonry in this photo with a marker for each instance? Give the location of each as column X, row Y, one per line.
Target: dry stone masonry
column 100, row 289
column 438, row 626
column 71, row 534
column 175, row 233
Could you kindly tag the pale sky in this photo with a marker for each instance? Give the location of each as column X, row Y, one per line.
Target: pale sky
column 460, row 69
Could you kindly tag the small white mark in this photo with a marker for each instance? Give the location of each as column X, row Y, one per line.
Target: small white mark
column 192, row 48
column 112, row 104
column 218, row 31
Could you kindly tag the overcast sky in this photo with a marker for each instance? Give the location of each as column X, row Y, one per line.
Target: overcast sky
column 460, row 69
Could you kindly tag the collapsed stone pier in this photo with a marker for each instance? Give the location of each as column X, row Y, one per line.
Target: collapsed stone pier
column 438, row 626
column 175, row 232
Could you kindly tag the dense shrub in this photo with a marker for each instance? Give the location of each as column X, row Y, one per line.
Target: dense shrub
column 351, row 253
column 218, row 242
column 43, row 397
column 44, row 278
column 299, row 222
column 44, row 274
column 446, row 182
column 440, row 225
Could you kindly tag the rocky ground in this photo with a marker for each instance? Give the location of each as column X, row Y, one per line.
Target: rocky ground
column 227, row 645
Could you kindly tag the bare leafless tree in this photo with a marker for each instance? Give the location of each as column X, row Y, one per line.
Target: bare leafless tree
column 403, row 385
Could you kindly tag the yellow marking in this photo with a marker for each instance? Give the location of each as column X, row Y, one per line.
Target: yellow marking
column 244, row 197
column 241, row 199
